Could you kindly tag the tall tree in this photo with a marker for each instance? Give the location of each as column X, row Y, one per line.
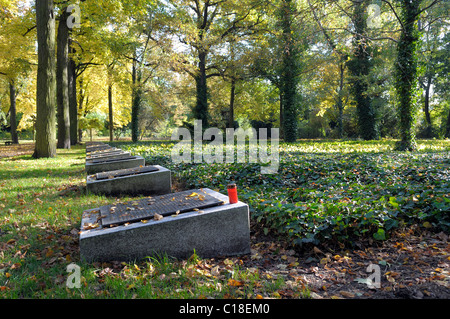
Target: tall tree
column 110, row 68
column 342, row 55
column 206, row 26
column 359, row 65
column 433, row 26
column 290, row 72
column 12, row 112
column 62, row 78
column 135, row 98
column 45, row 145
column 16, row 55
column 72, row 87
column 406, row 72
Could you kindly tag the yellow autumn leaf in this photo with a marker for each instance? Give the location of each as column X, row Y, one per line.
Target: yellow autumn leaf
column 193, row 194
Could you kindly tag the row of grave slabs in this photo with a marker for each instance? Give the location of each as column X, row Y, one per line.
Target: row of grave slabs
column 149, row 207
column 164, row 222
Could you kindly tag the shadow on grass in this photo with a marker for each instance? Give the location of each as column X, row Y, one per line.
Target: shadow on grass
column 13, row 174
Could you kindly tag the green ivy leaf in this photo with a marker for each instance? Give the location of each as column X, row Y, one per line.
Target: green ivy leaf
column 380, row 234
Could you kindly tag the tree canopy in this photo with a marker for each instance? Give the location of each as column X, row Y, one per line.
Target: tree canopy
column 313, row 68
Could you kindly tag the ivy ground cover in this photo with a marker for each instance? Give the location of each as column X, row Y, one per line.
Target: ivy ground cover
column 329, row 192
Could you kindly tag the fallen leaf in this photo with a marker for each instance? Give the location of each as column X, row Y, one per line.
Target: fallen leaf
column 317, row 250
column 427, row 225
column 228, row 262
column 157, row 216
column 88, row 226
column 235, row 283
column 49, row 253
column 215, row 271
column 347, row 294
column 193, row 194
column 276, row 294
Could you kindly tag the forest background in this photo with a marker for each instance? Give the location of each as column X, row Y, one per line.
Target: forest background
column 313, row 68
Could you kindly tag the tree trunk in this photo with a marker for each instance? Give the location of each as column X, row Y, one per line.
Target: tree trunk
column 80, row 108
column 201, row 107
column 62, row 88
column 340, row 104
column 281, row 115
column 12, row 113
column 232, row 96
column 447, row 129
column 110, row 109
column 135, row 103
column 73, row 108
column 406, row 73
column 45, row 145
column 289, row 74
column 426, row 109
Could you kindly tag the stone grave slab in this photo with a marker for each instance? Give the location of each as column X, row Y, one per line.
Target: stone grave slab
column 108, row 156
column 145, row 180
column 102, row 151
column 105, row 152
column 98, row 148
column 105, row 165
column 174, row 224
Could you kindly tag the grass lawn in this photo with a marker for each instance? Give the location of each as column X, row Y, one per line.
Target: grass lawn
column 326, row 195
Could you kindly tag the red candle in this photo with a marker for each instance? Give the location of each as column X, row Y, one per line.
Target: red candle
column 232, row 193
